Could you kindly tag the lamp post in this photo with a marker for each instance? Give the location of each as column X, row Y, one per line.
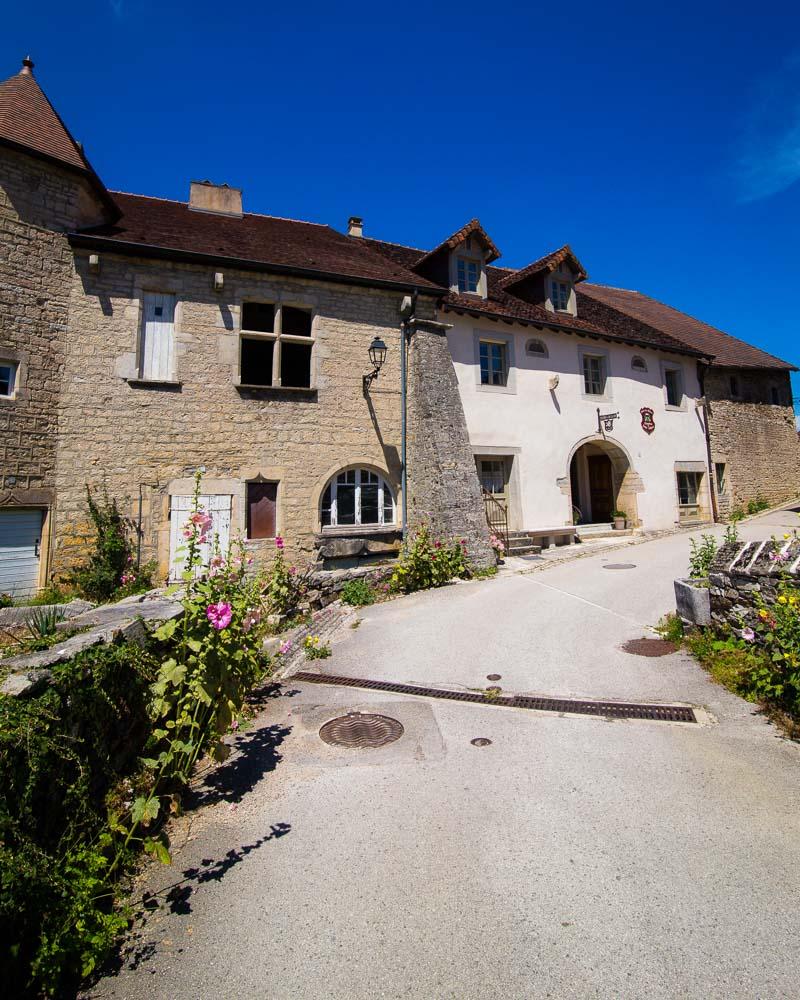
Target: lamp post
column 377, row 355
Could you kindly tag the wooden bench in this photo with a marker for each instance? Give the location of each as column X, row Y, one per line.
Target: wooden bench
column 547, row 537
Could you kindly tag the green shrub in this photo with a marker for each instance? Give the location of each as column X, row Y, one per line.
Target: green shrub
column 110, row 566
column 284, row 587
column 757, row 505
column 424, row 563
column 61, row 754
column 671, row 628
column 42, row 622
column 315, row 648
column 701, row 556
column 6, row 600
column 358, row 593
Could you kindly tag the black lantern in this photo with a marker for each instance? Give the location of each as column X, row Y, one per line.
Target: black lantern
column 377, row 356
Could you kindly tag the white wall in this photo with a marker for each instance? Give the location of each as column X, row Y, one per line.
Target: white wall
column 542, row 428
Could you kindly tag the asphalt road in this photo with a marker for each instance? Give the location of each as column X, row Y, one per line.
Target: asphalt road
column 573, row 857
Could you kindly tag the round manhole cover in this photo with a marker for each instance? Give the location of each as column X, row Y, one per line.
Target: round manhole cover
column 620, row 566
column 650, row 647
column 360, row 730
column 481, row 741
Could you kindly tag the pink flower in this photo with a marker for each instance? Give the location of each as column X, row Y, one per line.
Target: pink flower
column 219, row 614
column 748, row 634
column 285, row 647
column 292, row 570
column 278, row 542
column 235, row 725
column 437, row 545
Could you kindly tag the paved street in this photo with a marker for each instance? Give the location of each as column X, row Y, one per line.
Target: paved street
column 573, row 857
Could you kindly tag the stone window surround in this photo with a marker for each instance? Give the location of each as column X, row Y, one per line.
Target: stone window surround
column 673, row 366
column 512, row 455
column 18, row 360
column 279, row 301
column 383, row 486
column 703, row 498
column 143, row 287
column 595, row 352
column 543, row 353
column 492, row 337
column 371, row 465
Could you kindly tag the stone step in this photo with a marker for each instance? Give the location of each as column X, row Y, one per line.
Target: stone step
column 520, row 549
column 603, row 531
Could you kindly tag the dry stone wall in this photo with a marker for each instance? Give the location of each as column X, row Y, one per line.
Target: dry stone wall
column 755, row 438
column 742, row 571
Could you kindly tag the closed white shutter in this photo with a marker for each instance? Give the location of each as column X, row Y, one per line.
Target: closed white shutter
column 158, row 335
column 218, row 506
column 20, row 543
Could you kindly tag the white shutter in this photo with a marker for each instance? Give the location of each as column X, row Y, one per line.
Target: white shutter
column 218, row 507
column 158, row 334
column 20, row 542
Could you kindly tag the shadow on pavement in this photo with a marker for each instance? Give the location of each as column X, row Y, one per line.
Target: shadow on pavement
column 254, row 754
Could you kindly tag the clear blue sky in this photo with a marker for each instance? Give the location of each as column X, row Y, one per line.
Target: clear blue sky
column 661, row 141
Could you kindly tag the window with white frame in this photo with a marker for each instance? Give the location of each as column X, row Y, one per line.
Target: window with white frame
column 276, row 345
column 468, row 273
column 638, row 364
column 673, row 387
column 536, row 348
column 595, row 374
column 8, row 378
column 559, row 295
column 494, row 362
column 357, row 497
column 688, row 491
column 157, row 347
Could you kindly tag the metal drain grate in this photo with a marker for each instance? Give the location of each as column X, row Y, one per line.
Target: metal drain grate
column 360, row 731
column 574, row 706
column 620, row 566
column 649, row 647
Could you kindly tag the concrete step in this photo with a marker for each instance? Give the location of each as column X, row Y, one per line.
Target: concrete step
column 522, row 549
column 587, row 532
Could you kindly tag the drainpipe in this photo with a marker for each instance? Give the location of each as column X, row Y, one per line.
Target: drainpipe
column 712, row 483
column 409, row 314
column 139, row 532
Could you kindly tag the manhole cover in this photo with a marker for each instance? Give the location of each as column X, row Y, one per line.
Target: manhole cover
column 620, row 566
column 650, row 647
column 481, row 741
column 360, row 730
column 493, row 677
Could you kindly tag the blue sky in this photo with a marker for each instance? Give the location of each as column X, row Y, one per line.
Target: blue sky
column 661, row 141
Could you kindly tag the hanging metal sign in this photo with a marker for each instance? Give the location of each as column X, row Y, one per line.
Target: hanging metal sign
column 648, row 424
column 605, row 421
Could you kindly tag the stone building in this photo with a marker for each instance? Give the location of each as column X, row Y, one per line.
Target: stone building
column 142, row 339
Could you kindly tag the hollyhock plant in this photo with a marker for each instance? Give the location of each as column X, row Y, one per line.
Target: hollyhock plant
column 219, row 614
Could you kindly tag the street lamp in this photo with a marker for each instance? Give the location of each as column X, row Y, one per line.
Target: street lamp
column 377, row 355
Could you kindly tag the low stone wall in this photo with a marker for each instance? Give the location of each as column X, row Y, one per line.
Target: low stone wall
column 742, row 571
column 325, row 586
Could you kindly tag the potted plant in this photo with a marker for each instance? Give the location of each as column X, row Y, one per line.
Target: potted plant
column 692, row 594
column 620, row 519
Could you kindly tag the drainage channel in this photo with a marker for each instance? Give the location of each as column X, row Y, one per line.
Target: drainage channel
column 573, row 706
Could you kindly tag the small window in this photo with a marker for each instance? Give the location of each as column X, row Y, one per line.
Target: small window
column 688, row 488
column 8, row 377
column 357, row 497
column 262, row 500
column 559, row 294
column 536, row 348
column 469, row 273
column 295, row 322
column 734, row 382
column 276, row 346
column 494, row 363
column 719, row 470
column 674, row 386
column 258, row 317
column 638, row 364
column 775, row 395
column 157, row 349
column 256, row 361
column 594, row 374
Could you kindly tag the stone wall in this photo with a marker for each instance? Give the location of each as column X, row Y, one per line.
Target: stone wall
column 444, row 490
column 742, row 571
column 755, row 438
column 131, row 436
column 38, row 203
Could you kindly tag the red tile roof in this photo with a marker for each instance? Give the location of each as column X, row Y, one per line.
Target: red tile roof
column 170, row 228
column 727, row 351
column 472, row 228
column 547, row 263
column 29, row 120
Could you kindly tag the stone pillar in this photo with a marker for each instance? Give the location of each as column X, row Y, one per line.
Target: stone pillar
column 443, row 487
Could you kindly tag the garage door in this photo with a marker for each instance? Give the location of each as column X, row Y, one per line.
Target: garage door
column 20, row 542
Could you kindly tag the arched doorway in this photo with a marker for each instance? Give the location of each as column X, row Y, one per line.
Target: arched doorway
column 601, row 481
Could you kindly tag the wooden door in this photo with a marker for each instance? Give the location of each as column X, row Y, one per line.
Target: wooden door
column 601, row 488
column 261, row 509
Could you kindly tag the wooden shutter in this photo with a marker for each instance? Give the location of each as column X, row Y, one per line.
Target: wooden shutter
column 158, row 335
column 261, row 509
column 218, row 507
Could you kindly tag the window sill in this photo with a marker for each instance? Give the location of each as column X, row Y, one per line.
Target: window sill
column 674, row 409
column 507, row 388
column 287, row 391
column 146, row 383
column 343, row 530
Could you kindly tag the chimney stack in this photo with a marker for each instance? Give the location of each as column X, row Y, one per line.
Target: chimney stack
column 219, row 199
column 355, row 226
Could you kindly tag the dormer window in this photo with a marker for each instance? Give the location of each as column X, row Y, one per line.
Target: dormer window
column 469, row 275
column 559, row 295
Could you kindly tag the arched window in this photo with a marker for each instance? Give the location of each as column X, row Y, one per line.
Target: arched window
column 357, row 497
column 537, row 348
column 638, row 364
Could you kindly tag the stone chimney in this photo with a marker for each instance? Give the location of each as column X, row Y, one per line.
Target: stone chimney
column 355, row 226
column 219, row 199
